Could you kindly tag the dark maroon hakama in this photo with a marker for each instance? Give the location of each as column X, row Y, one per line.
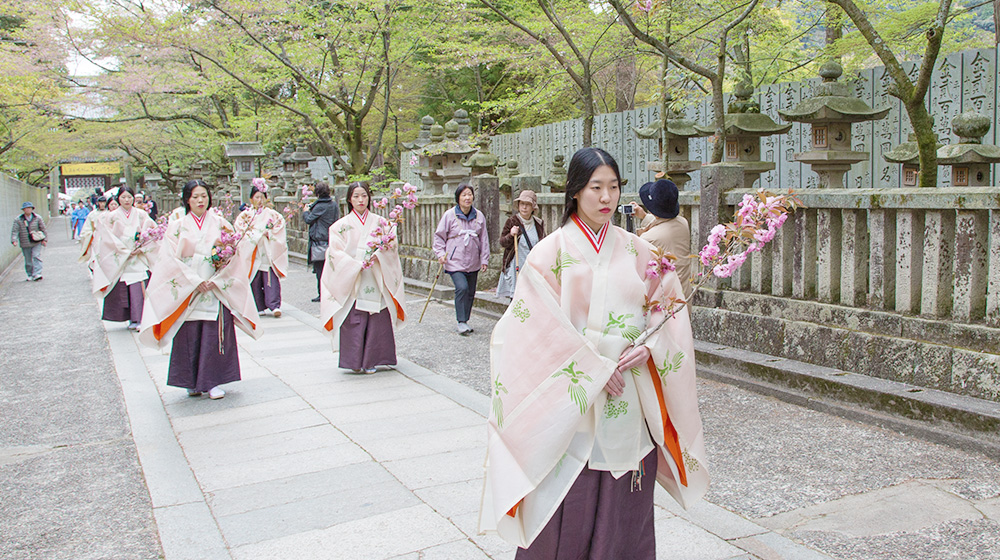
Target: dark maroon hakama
column 195, row 360
column 600, row 519
column 366, row 340
column 124, row 302
column 266, row 290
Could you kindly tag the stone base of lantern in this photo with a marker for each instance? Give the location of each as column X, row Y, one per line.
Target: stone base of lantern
column 831, row 166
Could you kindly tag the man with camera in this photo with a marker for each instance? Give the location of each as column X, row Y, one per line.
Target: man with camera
column 29, row 232
column 664, row 227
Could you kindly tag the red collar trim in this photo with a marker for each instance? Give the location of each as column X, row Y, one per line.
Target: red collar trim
column 128, row 214
column 200, row 221
column 596, row 240
column 361, row 217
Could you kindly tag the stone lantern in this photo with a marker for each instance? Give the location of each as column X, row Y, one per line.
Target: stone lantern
column 302, row 157
column 745, row 126
column 196, row 170
column 969, row 159
column 441, row 161
column 678, row 160
column 907, row 154
column 557, row 174
column 831, row 112
column 244, row 155
column 424, row 136
column 464, row 126
column 152, row 181
column 482, row 161
column 288, row 168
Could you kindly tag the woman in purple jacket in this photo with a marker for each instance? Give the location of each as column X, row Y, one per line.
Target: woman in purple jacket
column 462, row 246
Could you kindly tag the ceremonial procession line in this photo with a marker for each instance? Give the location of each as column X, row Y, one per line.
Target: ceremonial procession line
column 302, row 460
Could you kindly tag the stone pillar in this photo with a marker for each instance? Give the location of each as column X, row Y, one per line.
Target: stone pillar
column 760, row 271
column 716, row 179
column 487, row 188
column 971, row 229
column 939, row 234
column 828, row 254
column 54, row 184
column 993, row 297
column 783, row 255
column 853, row 258
column 127, row 174
column 909, row 259
column 882, row 263
column 804, row 260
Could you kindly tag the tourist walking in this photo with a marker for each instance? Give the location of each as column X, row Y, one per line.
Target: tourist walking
column 121, row 265
column 462, row 246
column 320, row 216
column 265, row 231
column 668, row 231
column 79, row 215
column 520, row 234
column 29, row 233
column 362, row 287
column 582, row 422
column 198, row 293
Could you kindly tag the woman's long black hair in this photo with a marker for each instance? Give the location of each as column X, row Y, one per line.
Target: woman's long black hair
column 123, row 189
column 189, row 188
column 350, row 192
column 585, row 161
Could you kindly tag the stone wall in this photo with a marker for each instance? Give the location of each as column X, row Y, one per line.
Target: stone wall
column 13, row 194
column 962, row 81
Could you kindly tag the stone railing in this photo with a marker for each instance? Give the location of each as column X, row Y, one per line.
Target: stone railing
column 893, row 283
column 13, row 194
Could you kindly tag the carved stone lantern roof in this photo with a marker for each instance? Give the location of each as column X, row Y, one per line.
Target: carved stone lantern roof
column 424, row 136
column 482, row 158
column 907, row 152
column 743, row 117
column 970, row 128
column 302, row 154
column 286, row 154
column 679, row 128
column 244, row 149
column 832, row 102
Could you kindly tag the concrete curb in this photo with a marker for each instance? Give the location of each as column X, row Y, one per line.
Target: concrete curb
column 187, row 528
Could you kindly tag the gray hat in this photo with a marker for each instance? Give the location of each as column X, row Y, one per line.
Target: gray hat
column 27, row 205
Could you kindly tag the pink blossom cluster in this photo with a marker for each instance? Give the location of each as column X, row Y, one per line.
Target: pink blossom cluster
column 758, row 219
column 657, row 266
column 225, row 249
column 646, row 6
column 299, row 205
column 382, row 237
column 384, row 234
column 151, row 235
column 413, row 160
column 260, row 184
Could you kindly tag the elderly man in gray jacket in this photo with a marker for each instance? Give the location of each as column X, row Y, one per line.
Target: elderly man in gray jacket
column 29, row 232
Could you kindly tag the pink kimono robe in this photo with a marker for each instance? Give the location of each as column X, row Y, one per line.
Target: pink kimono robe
column 345, row 284
column 115, row 240
column 580, row 301
column 87, row 239
column 265, row 230
column 182, row 264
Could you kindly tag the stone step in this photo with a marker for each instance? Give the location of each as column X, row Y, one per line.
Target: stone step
column 957, row 420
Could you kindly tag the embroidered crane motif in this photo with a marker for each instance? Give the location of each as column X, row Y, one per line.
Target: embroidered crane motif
column 563, row 261
column 668, row 366
column 629, row 332
column 576, row 392
column 497, row 403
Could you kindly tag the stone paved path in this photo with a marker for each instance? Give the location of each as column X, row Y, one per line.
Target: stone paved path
column 303, row 460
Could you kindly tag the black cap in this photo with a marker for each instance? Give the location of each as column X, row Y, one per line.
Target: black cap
column 660, row 199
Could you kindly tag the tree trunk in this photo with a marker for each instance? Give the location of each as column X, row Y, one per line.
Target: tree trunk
column 719, row 110
column 587, row 96
column 996, row 21
column 923, row 127
column 625, row 79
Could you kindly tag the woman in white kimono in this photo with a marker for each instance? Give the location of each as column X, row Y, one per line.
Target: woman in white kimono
column 87, row 241
column 121, row 268
column 193, row 302
column 360, row 306
column 265, row 230
column 583, row 421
